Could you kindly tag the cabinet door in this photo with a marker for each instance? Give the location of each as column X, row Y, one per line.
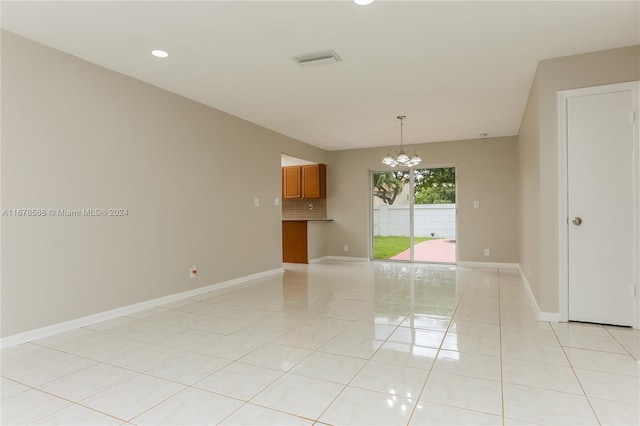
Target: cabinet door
column 291, row 182
column 314, row 181
column 294, row 242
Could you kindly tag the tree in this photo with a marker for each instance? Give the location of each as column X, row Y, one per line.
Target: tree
column 432, row 186
column 387, row 185
column 435, row 186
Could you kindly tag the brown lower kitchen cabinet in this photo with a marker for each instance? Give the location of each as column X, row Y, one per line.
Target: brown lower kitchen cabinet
column 294, row 242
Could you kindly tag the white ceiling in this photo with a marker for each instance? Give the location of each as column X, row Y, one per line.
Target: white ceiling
column 456, row 69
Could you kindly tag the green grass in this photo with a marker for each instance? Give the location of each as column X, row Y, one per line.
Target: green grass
column 386, row 247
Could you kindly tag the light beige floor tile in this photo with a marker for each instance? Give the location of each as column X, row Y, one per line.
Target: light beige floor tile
column 351, row 346
column 603, row 361
column 391, row 379
column 613, row 387
column 477, row 315
column 379, row 317
column 439, row 311
column 207, row 308
column 546, row 407
column 474, row 344
column 364, row 407
column 628, row 338
column 369, row 330
column 192, row 340
column 330, row 367
column 186, row 367
column 615, row 413
column 429, row 414
column 298, row 395
column 537, row 352
column 483, row 289
column 29, row 406
column 142, row 356
column 68, row 340
column 34, row 365
column 87, row 382
column 232, row 347
column 475, row 328
column 468, row 364
column 275, row 356
column 77, row 415
column 9, row 388
column 114, row 326
column 307, row 337
column 464, row 392
column 516, row 422
column 540, row 375
column 190, row 407
column 540, row 335
column 429, row 338
column 133, row 397
column 406, row 355
column 251, row 414
column 238, row 380
column 152, row 332
column 583, row 336
column 426, row 322
column 398, row 308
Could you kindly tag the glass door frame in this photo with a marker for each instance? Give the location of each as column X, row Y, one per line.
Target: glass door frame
column 411, row 213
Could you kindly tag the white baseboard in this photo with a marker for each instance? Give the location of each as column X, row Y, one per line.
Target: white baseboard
column 542, row 316
column 348, row 258
column 319, row 259
column 39, row 333
column 488, row 265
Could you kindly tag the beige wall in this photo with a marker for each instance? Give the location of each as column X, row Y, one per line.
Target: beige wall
column 529, row 191
column 75, row 136
column 486, row 171
column 553, row 75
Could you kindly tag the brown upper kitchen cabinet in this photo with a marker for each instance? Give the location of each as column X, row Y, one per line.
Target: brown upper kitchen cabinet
column 308, row 181
column 291, row 182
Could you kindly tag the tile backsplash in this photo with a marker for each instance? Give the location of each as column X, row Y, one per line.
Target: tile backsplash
column 299, row 209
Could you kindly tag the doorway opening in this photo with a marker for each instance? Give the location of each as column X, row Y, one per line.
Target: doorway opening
column 414, row 215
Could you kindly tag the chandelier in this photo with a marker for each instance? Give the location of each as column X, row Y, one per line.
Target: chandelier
column 401, row 158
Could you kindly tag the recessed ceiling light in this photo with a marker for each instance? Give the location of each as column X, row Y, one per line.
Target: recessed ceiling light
column 159, row 53
column 362, row 2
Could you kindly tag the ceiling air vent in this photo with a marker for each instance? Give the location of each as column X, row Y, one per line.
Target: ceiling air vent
column 317, row 58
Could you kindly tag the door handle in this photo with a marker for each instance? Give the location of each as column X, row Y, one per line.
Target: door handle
column 577, row 221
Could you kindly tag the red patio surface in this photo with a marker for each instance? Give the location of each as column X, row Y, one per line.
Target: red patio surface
column 441, row 250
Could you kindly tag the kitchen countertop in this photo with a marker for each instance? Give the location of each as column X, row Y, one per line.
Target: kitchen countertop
column 307, row 220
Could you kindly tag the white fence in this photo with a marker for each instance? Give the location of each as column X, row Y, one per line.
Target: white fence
column 439, row 219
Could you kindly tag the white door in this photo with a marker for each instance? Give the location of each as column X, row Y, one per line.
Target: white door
column 600, row 174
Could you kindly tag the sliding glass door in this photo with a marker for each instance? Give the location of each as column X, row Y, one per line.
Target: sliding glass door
column 414, row 215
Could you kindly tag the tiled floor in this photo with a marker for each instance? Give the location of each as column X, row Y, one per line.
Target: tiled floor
column 333, row 343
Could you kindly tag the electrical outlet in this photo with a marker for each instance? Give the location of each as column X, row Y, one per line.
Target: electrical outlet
column 346, row 248
column 193, row 271
column 276, row 201
column 476, row 204
column 310, row 206
column 256, row 202
column 487, row 252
